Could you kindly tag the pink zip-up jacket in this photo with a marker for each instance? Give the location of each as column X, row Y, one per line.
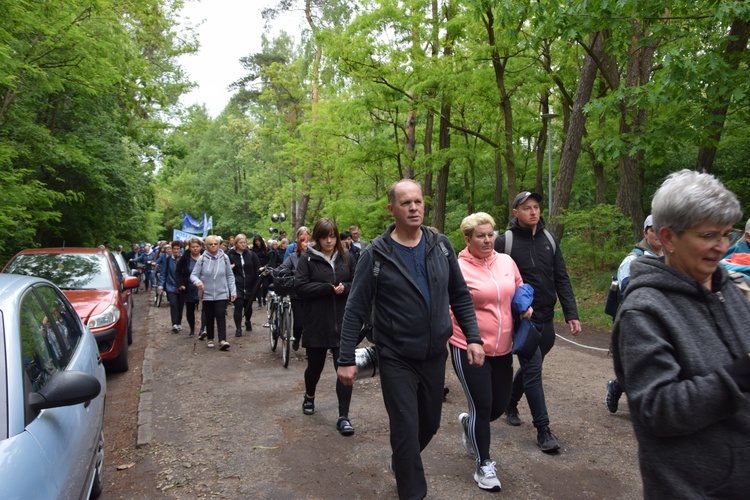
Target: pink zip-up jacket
column 492, row 282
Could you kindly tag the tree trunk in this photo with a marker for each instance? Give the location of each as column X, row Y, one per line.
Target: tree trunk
column 441, row 186
column 410, row 143
column 735, row 46
column 572, row 148
column 498, row 65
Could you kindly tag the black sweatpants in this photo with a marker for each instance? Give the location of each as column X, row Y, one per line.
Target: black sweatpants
column 316, row 360
column 413, row 396
column 216, row 310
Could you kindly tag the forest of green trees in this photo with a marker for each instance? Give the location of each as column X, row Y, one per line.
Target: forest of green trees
column 467, row 97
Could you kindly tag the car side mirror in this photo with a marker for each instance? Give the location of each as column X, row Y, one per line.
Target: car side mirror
column 129, row 282
column 65, row 388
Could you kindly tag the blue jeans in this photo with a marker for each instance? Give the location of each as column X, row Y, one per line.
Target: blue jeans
column 528, row 378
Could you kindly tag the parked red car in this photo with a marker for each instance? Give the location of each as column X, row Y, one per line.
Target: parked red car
column 91, row 279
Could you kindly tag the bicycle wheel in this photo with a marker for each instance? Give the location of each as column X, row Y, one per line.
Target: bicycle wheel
column 273, row 328
column 286, row 335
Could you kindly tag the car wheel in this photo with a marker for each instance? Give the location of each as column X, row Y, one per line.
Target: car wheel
column 98, row 485
column 120, row 363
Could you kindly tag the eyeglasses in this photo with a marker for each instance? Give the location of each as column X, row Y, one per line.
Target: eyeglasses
column 714, row 237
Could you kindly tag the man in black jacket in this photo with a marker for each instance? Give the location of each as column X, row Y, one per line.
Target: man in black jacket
column 539, row 259
column 418, row 279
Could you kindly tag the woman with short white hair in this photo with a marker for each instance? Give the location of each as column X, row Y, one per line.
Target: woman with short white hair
column 681, row 346
column 213, row 277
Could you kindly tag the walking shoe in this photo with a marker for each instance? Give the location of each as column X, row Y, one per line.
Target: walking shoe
column 248, row 326
column 344, row 426
column 613, row 395
column 546, row 440
column 210, row 343
column 179, row 328
column 295, row 343
column 463, row 420
column 174, row 328
column 191, row 334
column 308, row 405
column 223, row 345
column 486, row 476
column 511, row 416
column 202, row 335
column 238, row 333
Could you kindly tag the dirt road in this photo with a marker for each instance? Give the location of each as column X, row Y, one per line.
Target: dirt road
column 230, row 425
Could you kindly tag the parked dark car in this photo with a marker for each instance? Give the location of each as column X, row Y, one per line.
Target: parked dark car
column 92, row 281
column 52, row 391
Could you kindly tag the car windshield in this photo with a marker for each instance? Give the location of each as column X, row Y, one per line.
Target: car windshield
column 68, row 271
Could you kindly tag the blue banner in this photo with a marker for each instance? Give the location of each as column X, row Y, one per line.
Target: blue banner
column 181, row 235
column 190, row 225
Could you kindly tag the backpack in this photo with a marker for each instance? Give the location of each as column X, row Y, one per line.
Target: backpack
column 614, row 296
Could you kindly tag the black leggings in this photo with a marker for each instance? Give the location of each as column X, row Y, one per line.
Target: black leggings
column 190, row 314
column 241, row 310
column 316, row 360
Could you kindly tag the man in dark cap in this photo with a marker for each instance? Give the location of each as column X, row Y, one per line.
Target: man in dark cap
column 537, row 254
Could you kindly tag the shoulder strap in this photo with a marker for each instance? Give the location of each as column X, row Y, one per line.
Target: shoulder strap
column 638, row 251
column 442, row 247
column 508, row 241
column 551, row 240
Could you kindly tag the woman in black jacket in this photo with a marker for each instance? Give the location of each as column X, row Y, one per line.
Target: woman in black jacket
column 245, row 267
column 188, row 291
column 322, row 279
column 261, row 251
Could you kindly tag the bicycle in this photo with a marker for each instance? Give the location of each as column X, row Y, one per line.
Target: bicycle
column 279, row 313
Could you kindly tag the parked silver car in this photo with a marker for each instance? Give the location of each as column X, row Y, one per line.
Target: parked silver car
column 52, row 391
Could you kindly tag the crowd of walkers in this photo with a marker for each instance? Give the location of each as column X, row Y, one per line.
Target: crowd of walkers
column 424, row 304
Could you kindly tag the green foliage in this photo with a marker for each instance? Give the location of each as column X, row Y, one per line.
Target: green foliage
column 595, row 238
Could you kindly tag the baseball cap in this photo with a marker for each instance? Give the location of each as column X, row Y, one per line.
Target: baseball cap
column 525, row 195
column 648, row 222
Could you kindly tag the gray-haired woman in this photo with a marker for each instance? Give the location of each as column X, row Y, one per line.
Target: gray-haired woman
column 681, row 344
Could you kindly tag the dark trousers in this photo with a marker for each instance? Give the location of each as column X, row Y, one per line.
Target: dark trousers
column 413, row 396
column 242, row 309
column 528, row 378
column 487, row 390
column 190, row 314
column 175, row 307
column 316, row 360
column 215, row 310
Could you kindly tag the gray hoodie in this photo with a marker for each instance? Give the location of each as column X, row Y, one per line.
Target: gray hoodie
column 681, row 353
column 215, row 272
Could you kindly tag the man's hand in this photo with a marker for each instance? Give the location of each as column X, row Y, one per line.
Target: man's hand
column 347, row 374
column 575, row 326
column 475, row 353
column 232, row 298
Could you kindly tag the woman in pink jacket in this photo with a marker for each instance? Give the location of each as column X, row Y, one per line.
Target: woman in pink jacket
column 492, row 279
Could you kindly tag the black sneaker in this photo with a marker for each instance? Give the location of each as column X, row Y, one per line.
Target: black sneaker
column 295, row 344
column 238, row 333
column 511, row 416
column 344, row 426
column 308, row 406
column 546, row 441
column 613, row 395
column 248, row 326
column 202, row 335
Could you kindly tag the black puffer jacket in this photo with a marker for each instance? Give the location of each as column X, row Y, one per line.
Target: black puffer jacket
column 404, row 322
column 541, row 268
column 245, row 267
column 323, row 310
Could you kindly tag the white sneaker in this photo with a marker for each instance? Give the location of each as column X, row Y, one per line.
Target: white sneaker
column 175, row 329
column 486, row 477
column 210, row 343
column 463, row 421
column 223, row 345
column 179, row 328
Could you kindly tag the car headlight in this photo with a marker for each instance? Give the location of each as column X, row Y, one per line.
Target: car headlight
column 108, row 317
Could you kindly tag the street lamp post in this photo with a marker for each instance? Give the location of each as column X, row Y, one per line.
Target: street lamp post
column 546, row 117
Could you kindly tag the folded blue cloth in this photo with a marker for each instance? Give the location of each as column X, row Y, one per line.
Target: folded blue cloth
column 526, row 336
